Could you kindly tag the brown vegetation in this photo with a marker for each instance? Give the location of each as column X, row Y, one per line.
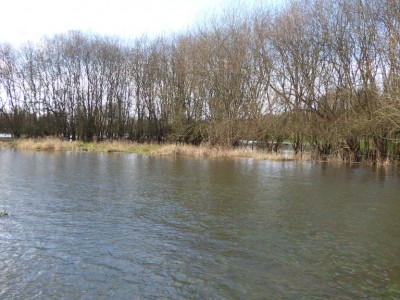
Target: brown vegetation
column 202, row 151
column 320, row 73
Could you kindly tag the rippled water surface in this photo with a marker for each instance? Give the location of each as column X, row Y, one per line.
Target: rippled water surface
column 95, row 226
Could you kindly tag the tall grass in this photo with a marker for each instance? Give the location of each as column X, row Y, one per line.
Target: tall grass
column 53, row 144
column 46, row 144
column 220, row 152
column 203, row 151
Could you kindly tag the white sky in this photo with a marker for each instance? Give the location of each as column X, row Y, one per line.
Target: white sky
column 30, row 20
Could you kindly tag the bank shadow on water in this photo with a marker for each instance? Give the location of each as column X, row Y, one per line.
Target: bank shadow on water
column 88, row 225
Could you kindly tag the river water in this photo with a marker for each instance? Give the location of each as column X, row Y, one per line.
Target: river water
column 102, row 226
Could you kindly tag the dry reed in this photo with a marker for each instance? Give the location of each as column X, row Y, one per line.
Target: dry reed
column 45, row 144
column 220, row 152
column 203, row 151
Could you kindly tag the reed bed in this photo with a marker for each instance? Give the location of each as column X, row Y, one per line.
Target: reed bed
column 220, row 152
column 203, row 151
column 53, row 144
column 45, row 144
column 42, row 145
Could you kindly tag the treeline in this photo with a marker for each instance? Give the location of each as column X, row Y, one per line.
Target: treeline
column 322, row 73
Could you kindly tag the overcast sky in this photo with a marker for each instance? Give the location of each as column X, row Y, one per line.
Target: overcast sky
column 30, row 20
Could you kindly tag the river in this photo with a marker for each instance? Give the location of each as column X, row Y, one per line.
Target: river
column 125, row 226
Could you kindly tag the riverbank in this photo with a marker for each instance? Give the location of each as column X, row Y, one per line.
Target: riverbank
column 52, row 144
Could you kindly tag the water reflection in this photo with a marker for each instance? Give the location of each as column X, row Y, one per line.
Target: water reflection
column 86, row 225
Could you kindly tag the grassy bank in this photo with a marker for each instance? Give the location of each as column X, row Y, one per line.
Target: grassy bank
column 52, row 144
